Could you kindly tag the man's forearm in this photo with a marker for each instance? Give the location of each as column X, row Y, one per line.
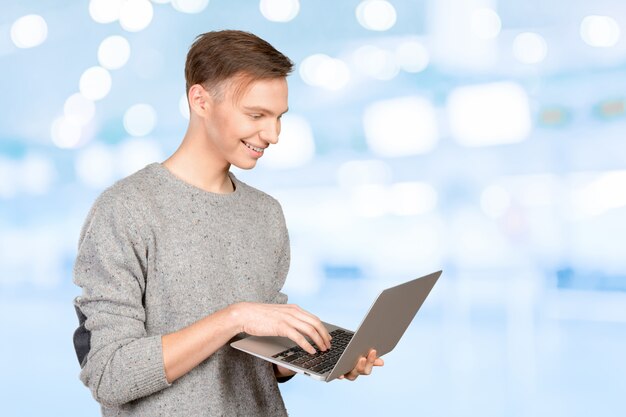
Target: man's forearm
column 185, row 349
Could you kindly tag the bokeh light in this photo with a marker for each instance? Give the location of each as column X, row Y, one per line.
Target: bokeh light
column 530, row 48
column 600, row 31
column 489, row 114
column 599, row 195
column 378, row 15
column 485, row 23
column 321, row 70
column 66, row 132
column 29, row 31
column 105, row 11
column 279, row 10
column 95, row 83
column 114, row 52
column 136, row 15
column 140, row 119
column 400, row 126
column 376, row 62
column 79, row 109
column 412, row 56
column 190, row 6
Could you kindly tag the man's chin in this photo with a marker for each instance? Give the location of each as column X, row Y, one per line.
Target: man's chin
column 248, row 165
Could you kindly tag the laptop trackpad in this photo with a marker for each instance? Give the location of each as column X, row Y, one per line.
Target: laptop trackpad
column 265, row 345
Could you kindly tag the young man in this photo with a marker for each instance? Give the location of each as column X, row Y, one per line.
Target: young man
column 177, row 259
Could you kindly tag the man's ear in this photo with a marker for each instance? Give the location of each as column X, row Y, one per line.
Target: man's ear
column 199, row 100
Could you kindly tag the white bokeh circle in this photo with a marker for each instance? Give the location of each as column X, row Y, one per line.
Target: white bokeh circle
column 95, row 83
column 136, row 15
column 279, row 10
column 114, row 52
column 29, row 31
column 140, row 119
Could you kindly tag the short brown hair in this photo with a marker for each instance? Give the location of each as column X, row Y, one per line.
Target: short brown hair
column 218, row 56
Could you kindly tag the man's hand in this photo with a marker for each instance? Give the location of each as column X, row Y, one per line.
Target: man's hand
column 364, row 366
column 286, row 320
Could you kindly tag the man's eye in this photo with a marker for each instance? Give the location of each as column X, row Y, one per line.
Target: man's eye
column 256, row 116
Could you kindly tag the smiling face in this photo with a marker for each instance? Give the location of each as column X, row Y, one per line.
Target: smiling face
column 239, row 128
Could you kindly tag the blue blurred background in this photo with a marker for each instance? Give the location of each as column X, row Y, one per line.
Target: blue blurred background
column 481, row 137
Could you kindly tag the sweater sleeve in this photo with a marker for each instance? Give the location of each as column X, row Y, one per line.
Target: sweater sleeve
column 284, row 260
column 284, row 256
column 119, row 361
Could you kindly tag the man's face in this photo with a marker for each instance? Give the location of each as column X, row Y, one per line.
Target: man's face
column 239, row 130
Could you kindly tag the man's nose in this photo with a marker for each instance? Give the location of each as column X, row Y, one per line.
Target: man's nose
column 271, row 131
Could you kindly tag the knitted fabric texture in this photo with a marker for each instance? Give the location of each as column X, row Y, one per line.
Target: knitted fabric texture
column 157, row 254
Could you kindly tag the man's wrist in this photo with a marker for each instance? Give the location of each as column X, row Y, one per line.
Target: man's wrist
column 235, row 317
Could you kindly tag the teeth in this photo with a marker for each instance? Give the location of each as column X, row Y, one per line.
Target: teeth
column 260, row 150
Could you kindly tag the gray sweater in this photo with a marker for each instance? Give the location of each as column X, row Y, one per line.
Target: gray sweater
column 155, row 255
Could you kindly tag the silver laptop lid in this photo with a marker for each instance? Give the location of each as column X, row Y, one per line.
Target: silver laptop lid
column 386, row 321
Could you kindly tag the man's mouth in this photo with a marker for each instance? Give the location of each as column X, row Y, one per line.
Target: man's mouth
column 254, row 148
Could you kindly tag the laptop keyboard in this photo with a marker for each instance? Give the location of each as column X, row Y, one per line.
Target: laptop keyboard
column 321, row 362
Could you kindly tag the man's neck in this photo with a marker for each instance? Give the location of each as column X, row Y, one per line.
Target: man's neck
column 196, row 165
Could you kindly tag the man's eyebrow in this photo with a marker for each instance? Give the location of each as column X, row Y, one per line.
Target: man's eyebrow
column 263, row 110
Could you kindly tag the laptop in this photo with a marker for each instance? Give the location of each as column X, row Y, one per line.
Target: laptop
column 381, row 329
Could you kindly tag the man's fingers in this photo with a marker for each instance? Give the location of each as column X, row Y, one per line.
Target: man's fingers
column 353, row 374
column 297, row 337
column 364, row 366
column 359, row 369
column 314, row 322
column 287, row 320
column 368, row 366
column 369, row 362
column 372, row 361
column 308, row 330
